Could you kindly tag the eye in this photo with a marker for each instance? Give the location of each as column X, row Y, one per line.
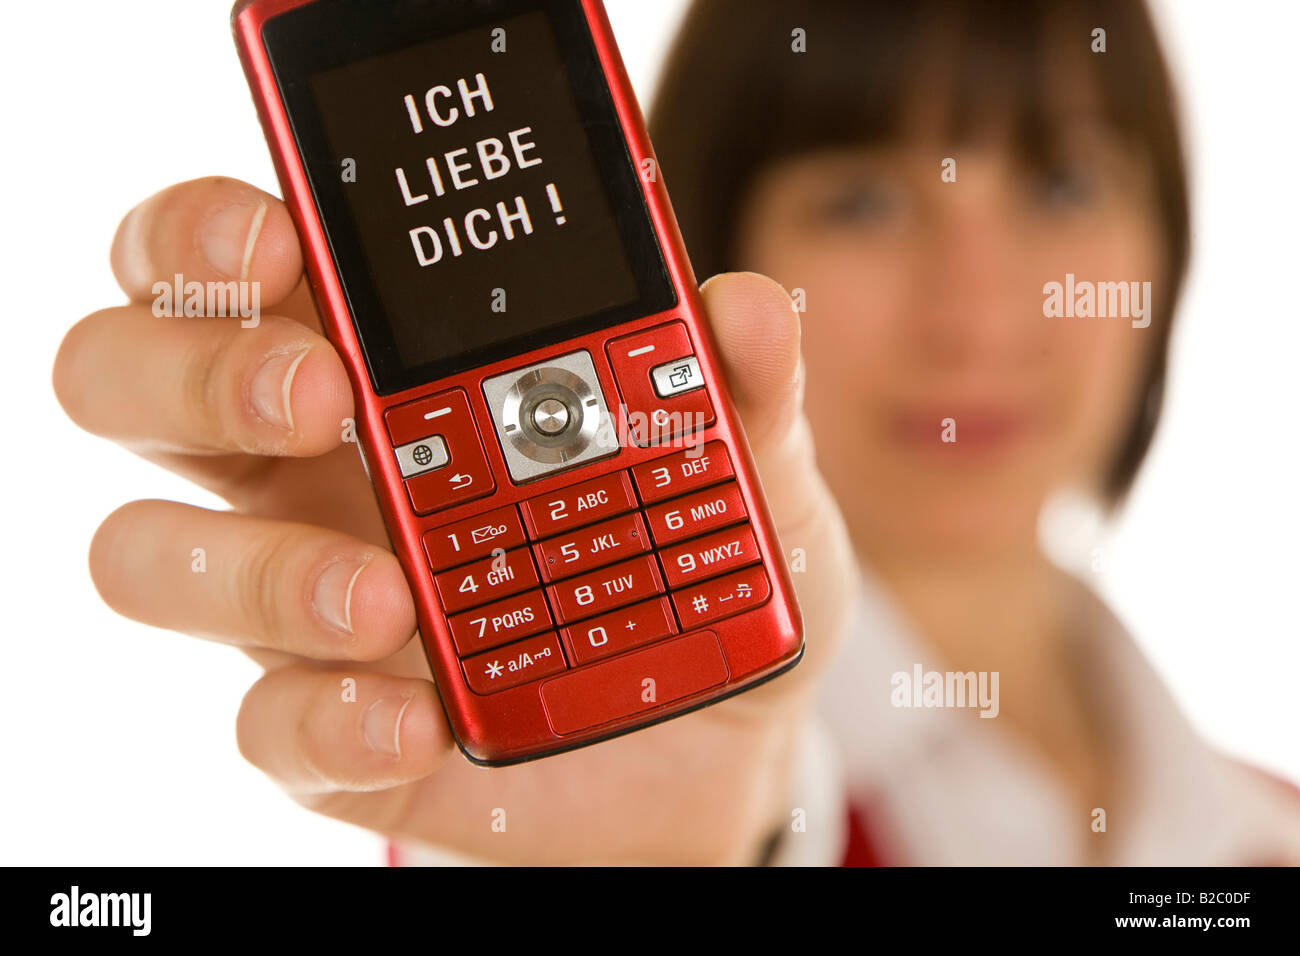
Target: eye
column 1064, row 186
column 859, row 203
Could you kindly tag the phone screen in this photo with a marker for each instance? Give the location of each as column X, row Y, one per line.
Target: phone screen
column 475, row 186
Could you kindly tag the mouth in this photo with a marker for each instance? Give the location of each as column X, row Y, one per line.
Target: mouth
column 961, row 430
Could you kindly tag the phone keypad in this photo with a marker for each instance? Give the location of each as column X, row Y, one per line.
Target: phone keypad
column 596, row 569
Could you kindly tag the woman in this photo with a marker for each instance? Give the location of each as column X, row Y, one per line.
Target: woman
column 925, row 305
column 916, row 174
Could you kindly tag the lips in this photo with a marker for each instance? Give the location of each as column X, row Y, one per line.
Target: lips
column 959, row 428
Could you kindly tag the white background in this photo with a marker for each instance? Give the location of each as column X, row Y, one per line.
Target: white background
column 118, row 741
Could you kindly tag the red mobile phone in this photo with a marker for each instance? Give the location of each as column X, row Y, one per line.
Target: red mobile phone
column 540, row 406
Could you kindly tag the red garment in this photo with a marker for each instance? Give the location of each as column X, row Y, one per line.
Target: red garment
column 860, row 851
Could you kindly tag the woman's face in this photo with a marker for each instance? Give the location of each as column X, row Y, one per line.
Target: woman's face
column 945, row 404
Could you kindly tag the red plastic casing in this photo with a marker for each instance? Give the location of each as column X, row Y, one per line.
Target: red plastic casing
column 513, row 725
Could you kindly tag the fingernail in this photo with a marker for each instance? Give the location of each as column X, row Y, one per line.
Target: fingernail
column 383, row 725
column 230, row 236
column 332, row 595
column 138, row 272
column 272, row 385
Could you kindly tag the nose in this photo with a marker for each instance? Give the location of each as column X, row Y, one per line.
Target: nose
column 978, row 303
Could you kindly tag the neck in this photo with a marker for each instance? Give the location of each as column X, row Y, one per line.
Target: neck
column 1012, row 613
column 1006, row 611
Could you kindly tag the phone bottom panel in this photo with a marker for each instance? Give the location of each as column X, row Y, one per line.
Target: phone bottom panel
column 634, row 684
column 631, row 691
column 650, row 719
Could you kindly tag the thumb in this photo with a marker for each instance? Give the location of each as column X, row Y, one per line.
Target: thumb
column 758, row 335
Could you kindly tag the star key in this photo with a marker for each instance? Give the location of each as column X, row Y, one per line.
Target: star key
column 528, row 660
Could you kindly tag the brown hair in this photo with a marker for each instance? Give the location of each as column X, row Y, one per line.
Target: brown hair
column 734, row 98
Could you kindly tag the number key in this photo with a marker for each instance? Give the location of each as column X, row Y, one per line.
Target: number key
column 685, row 471
column 696, row 514
column 578, row 505
column 486, row 580
column 472, row 538
column 592, row 547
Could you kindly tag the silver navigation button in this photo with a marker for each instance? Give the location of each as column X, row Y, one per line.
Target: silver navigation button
column 551, row 417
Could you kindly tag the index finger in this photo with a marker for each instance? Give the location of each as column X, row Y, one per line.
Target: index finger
column 208, row 230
